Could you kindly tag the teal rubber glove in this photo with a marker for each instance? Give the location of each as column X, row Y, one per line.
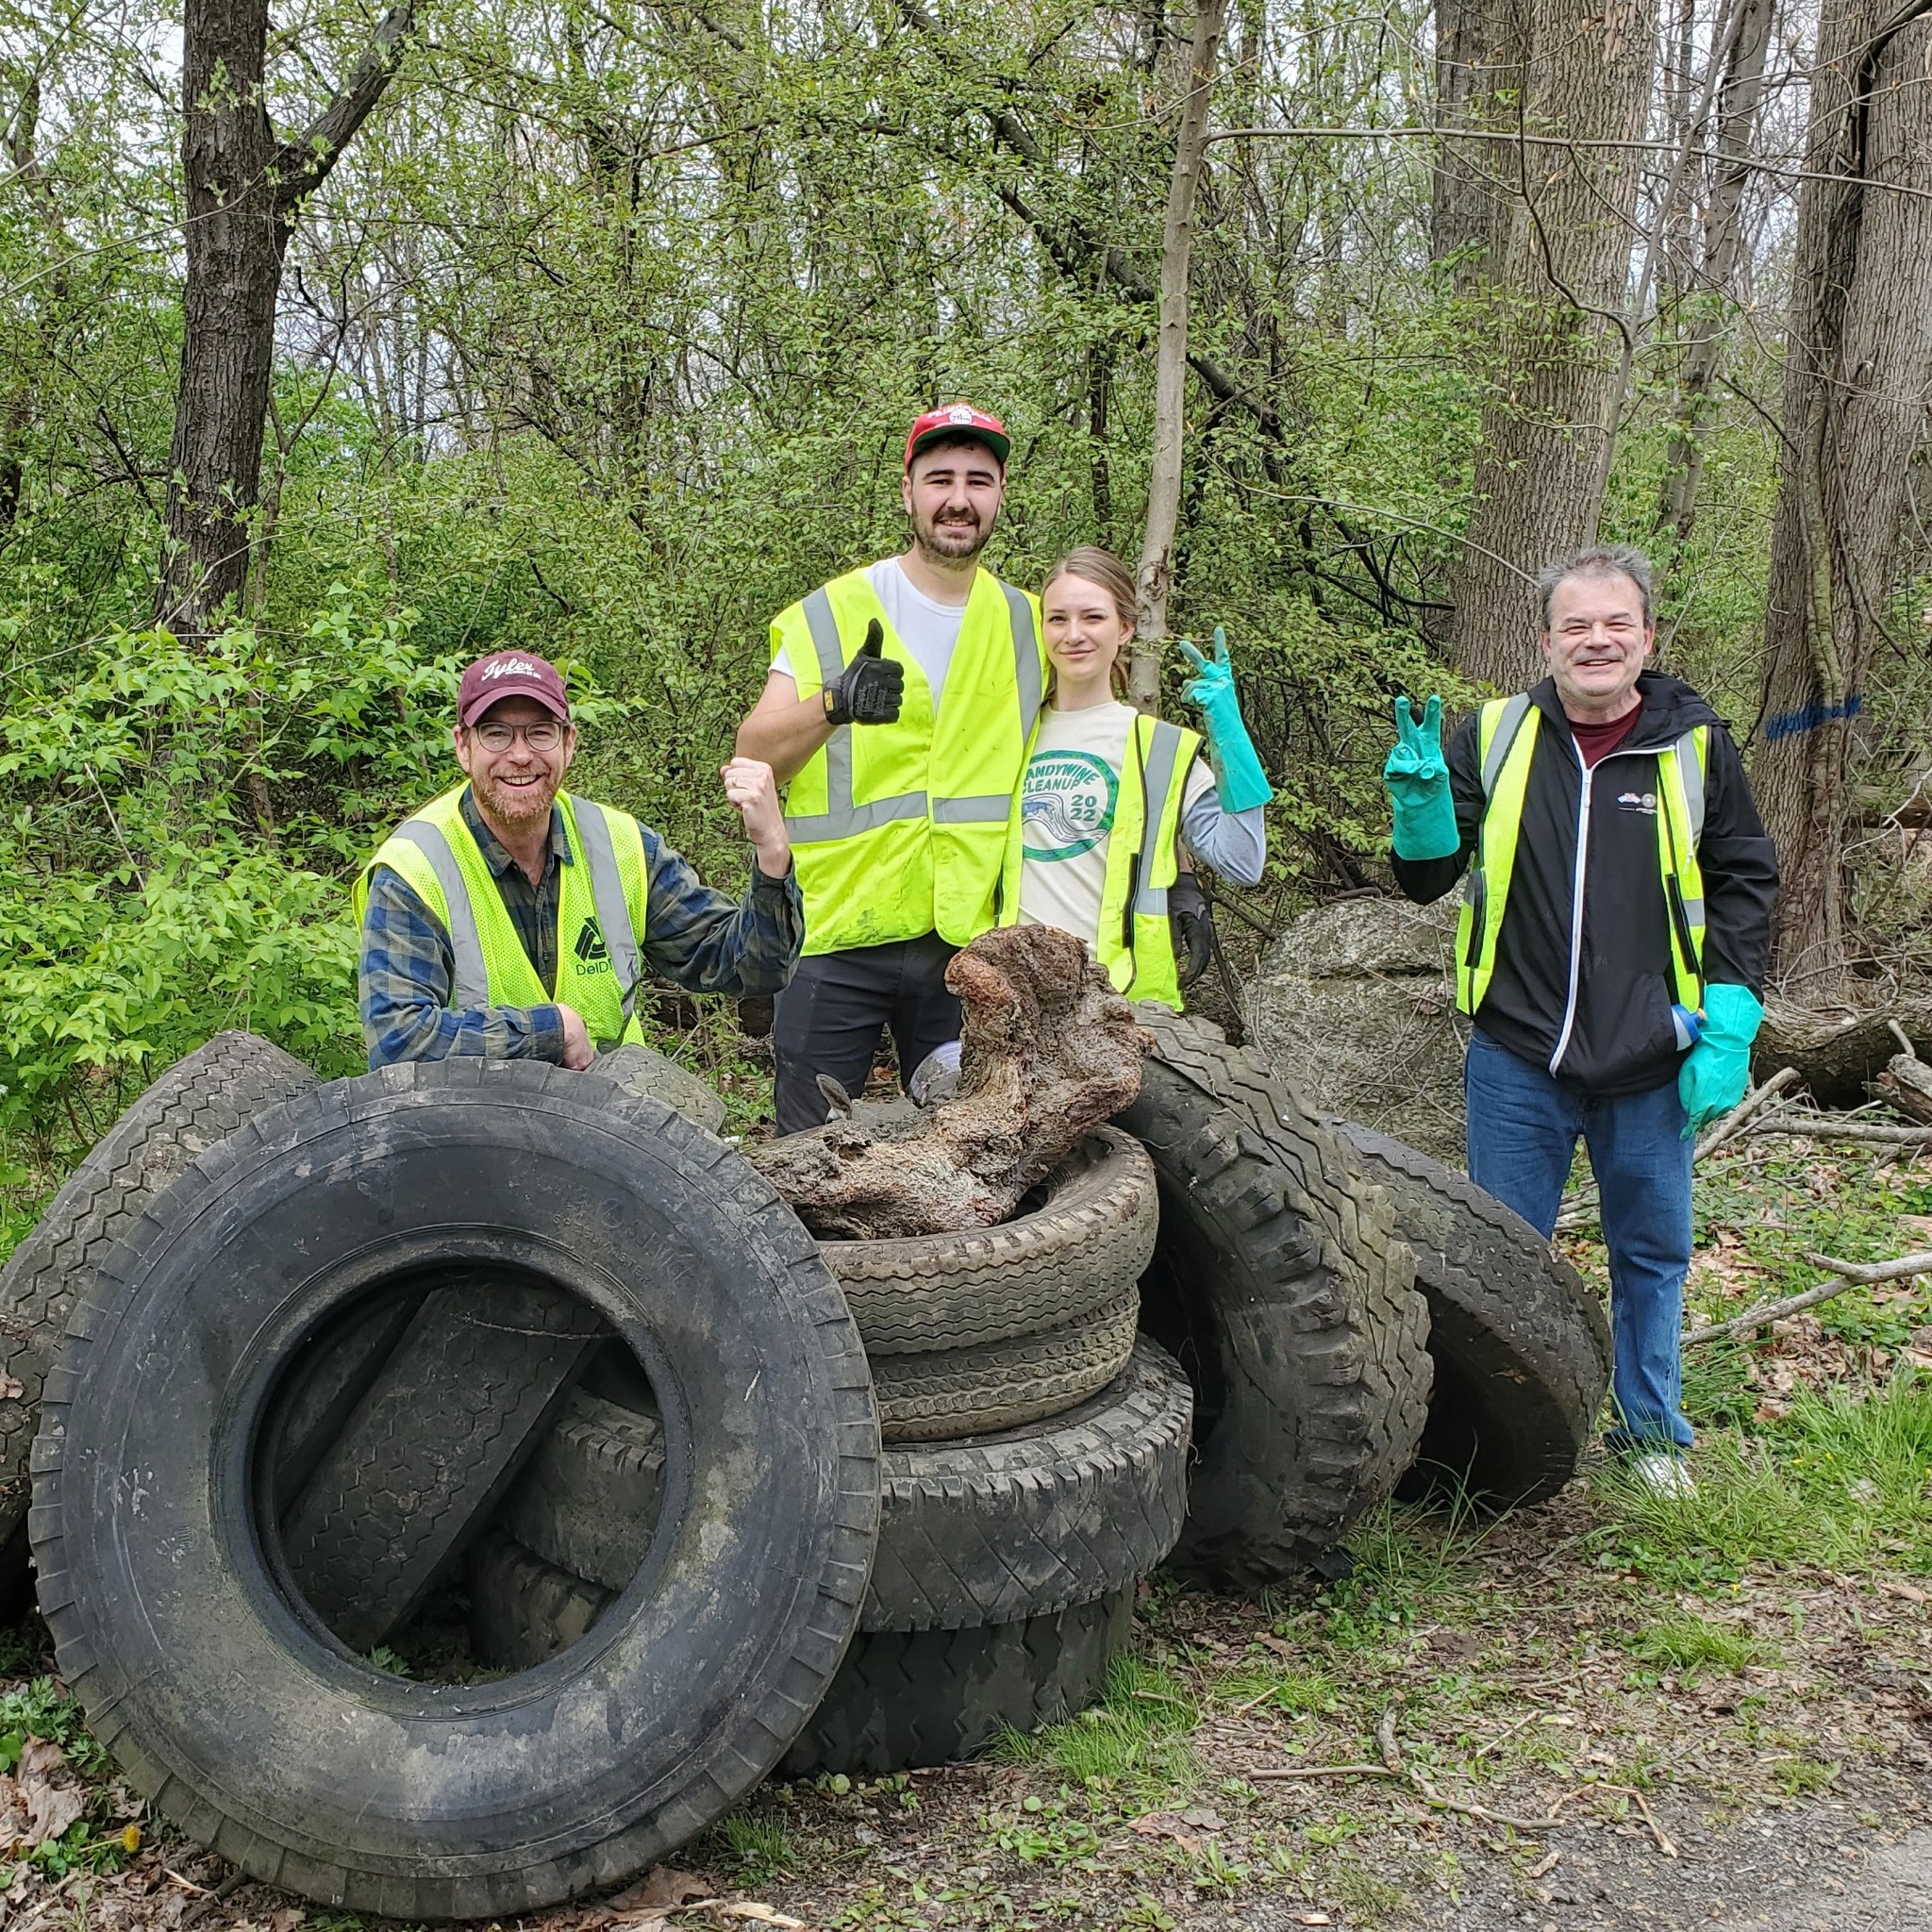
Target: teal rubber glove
column 1713, row 1079
column 1416, row 776
column 1238, row 779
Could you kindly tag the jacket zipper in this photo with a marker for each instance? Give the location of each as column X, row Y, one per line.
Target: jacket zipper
column 1577, row 881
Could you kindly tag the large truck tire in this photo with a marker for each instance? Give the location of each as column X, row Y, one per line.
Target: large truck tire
column 1004, row 1384
column 1520, row 1340
column 990, row 1530
column 226, row 1700
column 645, row 1071
column 902, row 1700
column 1279, row 1283
column 198, row 1103
column 907, row 1699
column 1084, row 1248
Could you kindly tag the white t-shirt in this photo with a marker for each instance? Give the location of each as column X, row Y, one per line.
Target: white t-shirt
column 1067, row 808
column 928, row 630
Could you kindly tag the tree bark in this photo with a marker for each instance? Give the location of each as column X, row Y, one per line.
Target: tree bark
column 244, row 188
column 1152, row 579
column 1558, row 272
column 1858, row 360
column 1480, row 49
column 1719, row 256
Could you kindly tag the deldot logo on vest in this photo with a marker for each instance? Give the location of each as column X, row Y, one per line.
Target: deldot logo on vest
column 592, row 954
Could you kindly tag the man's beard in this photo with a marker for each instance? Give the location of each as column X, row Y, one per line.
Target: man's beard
column 953, row 542
column 518, row 809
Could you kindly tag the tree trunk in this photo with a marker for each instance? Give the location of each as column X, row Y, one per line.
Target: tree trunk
column 244, row 187
column 1560, row 275
column 1152, row 580
column 1480, row 48
column 1858, row 360
column 1719, row 260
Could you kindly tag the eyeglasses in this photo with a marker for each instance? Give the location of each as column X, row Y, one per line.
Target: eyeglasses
column 545, row 734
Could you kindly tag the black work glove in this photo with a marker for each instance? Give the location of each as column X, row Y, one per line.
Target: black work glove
column 870, row 689
column 1191, row 923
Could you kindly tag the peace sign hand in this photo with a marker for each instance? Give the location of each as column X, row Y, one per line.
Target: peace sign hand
column 1239, row 781
column 1416, row 776
column 1418, row 748
column 1217, row 673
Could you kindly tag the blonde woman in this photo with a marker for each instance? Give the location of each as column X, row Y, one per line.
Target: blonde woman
column 1109, row 798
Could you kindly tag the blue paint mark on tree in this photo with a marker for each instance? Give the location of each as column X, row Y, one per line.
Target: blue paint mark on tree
column 1795, row 723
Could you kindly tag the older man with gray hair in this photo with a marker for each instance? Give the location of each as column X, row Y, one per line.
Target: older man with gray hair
column 1611, row 949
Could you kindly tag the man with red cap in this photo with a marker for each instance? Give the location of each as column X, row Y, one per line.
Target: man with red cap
column 897, row 713
column 511, row 920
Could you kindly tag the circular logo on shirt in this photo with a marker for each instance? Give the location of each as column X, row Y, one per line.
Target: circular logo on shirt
column 1066, row 807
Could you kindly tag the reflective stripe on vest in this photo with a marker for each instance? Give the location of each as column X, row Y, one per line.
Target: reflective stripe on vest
column 1134, row 943
column 899, row 830
column 606, row 885
column 471, row 982
column 1507, row 731
column 843, row 819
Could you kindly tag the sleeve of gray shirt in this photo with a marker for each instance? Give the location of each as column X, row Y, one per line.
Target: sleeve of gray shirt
column 1233, row 842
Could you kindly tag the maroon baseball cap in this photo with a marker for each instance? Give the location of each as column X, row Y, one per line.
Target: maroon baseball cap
column 958, row 419
column 509, row 674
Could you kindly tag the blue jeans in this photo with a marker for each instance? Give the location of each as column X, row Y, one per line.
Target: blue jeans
column 1524, row 1126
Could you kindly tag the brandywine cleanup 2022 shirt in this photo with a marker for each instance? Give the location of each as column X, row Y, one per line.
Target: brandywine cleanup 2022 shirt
column 1067, row 806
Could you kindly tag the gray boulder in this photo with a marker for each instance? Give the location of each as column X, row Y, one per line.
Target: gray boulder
column 1355, row 1002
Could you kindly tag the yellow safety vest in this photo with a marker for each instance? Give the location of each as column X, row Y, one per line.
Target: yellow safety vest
column 899, row 830
column 600, row 912
column 1505, row 743
column 1135, row 943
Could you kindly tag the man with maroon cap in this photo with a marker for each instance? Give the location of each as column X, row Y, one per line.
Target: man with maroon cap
column 901, row 700
column 511, row 920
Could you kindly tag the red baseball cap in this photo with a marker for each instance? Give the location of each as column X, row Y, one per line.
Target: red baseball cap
column 510, row 674
column 958, row 419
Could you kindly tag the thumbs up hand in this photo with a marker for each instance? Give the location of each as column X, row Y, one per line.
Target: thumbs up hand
column 871, row 689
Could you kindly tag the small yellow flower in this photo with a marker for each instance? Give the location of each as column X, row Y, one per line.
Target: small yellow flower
column 130, row 1839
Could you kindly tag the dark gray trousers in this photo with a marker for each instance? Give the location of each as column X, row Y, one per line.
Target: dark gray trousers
column 830, row 1018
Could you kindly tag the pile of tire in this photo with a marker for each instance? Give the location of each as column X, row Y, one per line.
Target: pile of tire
column 536, row 1363
column 531, row 1371
column 1033, row 1469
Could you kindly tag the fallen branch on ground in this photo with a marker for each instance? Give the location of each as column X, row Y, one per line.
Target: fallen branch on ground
column 1850, row 1275
column 1392, row 1766
column 1820, row 1128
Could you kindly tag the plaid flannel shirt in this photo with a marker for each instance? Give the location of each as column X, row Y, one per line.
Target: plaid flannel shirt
column 699, row 938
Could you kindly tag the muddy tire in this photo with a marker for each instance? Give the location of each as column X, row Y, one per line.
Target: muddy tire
column 988, row 1530
column 443, row 1429
column 650, row 1074
column 223, row 1696
column 905, row 1699
column 1280, row 1286
column 1521, row 1346
column 1084, row 1248
column 973, row 1391
column 199, row 1101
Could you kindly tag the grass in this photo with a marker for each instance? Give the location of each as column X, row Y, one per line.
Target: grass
column 1840, row 1480
column 1135, row 1738
column 1686, row 1642
column 755, row 1847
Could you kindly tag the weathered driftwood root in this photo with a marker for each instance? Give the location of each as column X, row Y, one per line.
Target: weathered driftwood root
column 1049, row 1050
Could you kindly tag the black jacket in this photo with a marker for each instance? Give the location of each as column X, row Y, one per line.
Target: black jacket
column 1621, row 1039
